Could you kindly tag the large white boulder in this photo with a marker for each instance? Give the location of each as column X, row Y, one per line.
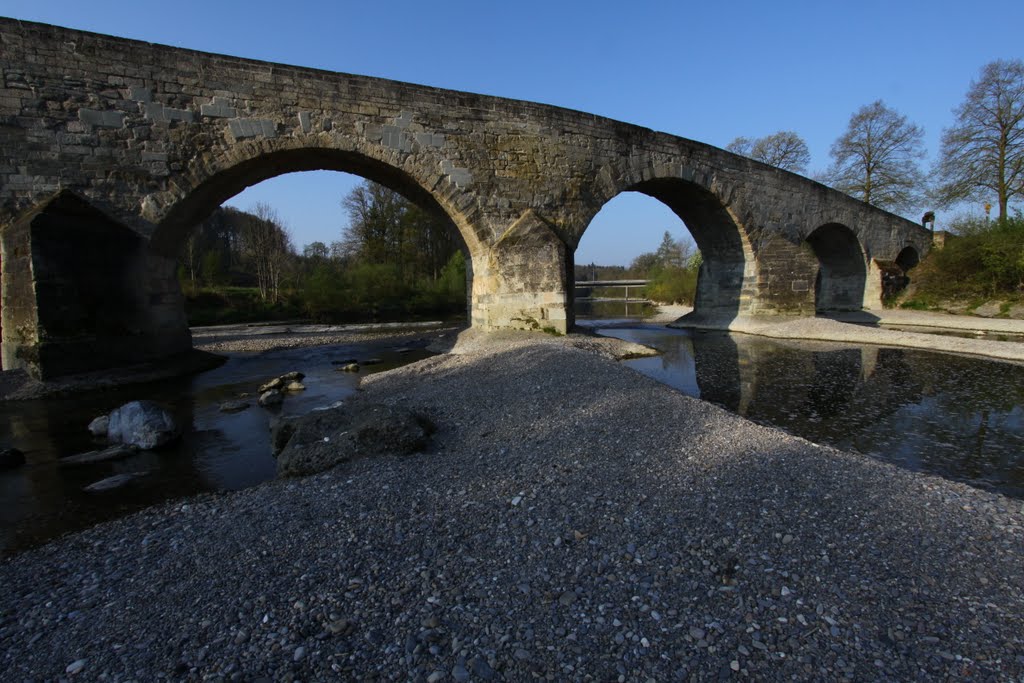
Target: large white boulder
column 145, row 424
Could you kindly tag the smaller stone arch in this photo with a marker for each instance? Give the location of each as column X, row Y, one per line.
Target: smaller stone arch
column 908, row 258
column 842, row 268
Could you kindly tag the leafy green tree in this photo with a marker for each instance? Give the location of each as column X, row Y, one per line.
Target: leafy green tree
column 386, row 228
column 983, row 153
column 643, row 264
column 670, row 252
column 213, row 268
column 877, row 159
column 316, row 251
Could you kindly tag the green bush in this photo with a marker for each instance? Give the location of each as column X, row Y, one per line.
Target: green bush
column 673, row 285
column 985, row 260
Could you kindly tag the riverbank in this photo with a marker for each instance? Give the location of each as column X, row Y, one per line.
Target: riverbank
column 209, row 345
column 260, row 338
column 869, row 328
column 572, row 520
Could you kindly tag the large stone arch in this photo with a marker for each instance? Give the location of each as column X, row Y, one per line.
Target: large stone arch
column 229, row 170
column 842, row 268
column 701, row 201
column 728, row 265
column 198, row 191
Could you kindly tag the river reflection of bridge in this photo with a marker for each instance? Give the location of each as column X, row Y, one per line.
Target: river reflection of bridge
column 954, row 416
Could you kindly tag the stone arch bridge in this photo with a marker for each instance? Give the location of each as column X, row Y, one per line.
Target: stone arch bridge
column 112, row 150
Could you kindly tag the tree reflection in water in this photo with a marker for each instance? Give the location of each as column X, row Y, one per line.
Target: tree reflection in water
column 953, row 416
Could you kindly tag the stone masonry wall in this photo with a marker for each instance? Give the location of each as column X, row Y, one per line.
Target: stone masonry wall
column 156, row 137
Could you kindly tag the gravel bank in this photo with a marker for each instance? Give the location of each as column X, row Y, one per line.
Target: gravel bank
column 573, row 520
column 825, row 329
column 262, row 338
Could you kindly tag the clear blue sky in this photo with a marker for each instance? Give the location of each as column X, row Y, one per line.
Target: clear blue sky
column 709, row 71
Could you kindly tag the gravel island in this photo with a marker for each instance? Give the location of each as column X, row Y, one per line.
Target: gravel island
column 570, row 520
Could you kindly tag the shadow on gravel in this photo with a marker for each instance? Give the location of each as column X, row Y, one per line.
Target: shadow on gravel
column 574, row 519
column 735, row 518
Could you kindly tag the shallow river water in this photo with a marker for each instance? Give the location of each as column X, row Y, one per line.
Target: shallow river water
column 218, row 451
column 958, row 417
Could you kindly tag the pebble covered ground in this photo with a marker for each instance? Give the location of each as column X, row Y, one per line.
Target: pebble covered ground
column 572, row 520
column 263, row 338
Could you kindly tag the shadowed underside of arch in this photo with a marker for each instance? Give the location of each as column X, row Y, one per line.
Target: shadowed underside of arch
column 842, row 270
column 195, row 205
column 727, row 258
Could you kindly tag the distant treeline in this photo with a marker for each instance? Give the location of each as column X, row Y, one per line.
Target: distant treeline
column 394, row 261
column 671, row 270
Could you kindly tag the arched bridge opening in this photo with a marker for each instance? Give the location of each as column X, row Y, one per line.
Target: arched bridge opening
column 374, row 276
column 842, row 269
column 724, row 259
column 196, row 203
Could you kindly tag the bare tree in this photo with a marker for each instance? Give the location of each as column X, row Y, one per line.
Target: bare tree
column 741, row 146
column 267, row 243
column 878, row 158
column 983, row 154
column 785, row 150
column 190, row 258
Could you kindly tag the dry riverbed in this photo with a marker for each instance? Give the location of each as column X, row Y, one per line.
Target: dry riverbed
column 572, row 520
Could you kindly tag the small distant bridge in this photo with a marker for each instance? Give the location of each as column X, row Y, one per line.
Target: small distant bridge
column 584, row 291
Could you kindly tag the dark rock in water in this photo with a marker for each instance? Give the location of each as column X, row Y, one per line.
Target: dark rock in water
column 145, row 424
column 347, row 361
column 372, row 361
column 272, row 385
column 99, row 426
column 281, row 381
column 325, row 438
column 234, row 406
column 114, row 482
column 116, row 452
column 11, row 458
column 271, row 397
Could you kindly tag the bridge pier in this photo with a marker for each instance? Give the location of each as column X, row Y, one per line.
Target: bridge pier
column 82, row 292
column 524, row 280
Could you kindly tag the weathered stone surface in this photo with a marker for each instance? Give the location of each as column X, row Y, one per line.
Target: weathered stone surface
column 326, row 438
column 145, row 424
column 234, row 406
column 98, row 427
column 519, row 181
column 271, row 397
